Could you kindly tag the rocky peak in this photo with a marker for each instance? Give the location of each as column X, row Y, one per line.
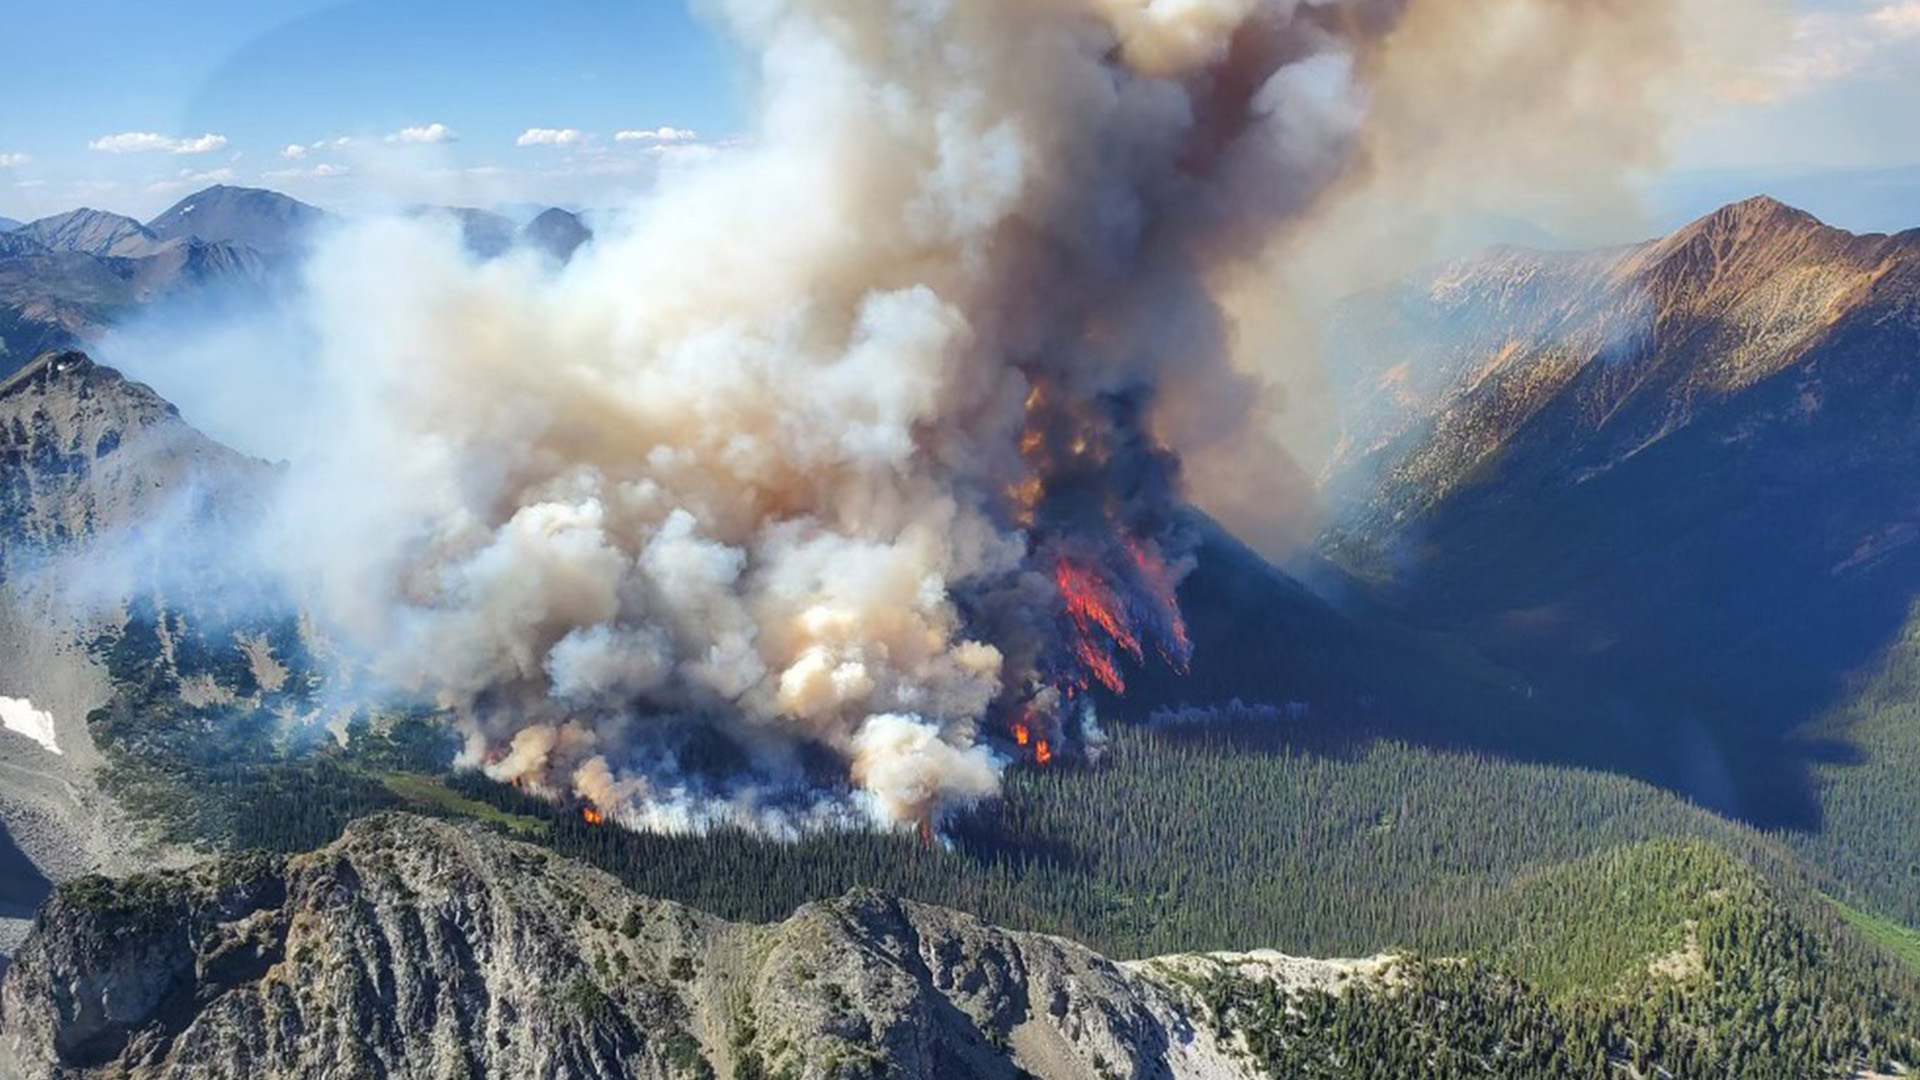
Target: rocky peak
column 264, row 220
column 83, row 448
column 416, row 948
column 92, row 232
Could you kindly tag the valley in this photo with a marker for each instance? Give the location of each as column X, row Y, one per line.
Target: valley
column 1385, row 768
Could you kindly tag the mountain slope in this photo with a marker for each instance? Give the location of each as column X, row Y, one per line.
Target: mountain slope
column 59, row 299
column 1672, row 483
column 266, row 221
column 93, row 232
column 413, row 948
column 88, row 463
column 557, row 232
column 84, row 451
column 487, row 235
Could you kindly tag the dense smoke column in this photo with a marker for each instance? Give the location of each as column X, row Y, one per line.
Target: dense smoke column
column 832, row 483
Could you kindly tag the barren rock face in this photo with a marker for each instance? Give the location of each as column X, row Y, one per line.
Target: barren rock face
column 82, row 449
column 415, row 948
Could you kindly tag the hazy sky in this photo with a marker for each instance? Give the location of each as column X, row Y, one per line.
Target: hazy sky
column 136, row 102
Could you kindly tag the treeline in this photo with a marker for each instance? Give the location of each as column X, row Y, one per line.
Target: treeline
column 1754, row 993
column 1179, row 842
column 1869, row 835
column 1254, row 832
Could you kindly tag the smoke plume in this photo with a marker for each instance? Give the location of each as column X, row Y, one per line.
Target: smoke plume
column 835, row 479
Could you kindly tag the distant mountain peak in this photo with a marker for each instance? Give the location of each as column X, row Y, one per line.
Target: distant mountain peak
column 255, row 217
column 1758, row 217
column 557, row 232
column 92, row 232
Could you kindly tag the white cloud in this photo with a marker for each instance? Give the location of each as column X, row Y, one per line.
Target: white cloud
column 10, row 161
column 1829, row 47
column 657, row 135
column 551, row 137
column 189, row 180
column 324, row 171
column 142, row 142
column 423, row 135
column 294, row 152
column 1899, row 19
column 205, row 144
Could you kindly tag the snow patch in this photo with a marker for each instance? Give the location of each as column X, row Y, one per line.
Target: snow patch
column 18, row 715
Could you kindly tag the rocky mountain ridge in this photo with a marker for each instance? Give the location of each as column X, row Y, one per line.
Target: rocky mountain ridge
column 92, row 232
column 1671, row 483
column 415, row 948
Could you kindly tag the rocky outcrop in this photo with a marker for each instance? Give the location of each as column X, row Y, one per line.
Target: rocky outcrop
column 416, row 948
column 83, row 449
column 92, row 466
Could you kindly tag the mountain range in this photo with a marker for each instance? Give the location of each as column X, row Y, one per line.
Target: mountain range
column 67, row 278
column 1596, row 715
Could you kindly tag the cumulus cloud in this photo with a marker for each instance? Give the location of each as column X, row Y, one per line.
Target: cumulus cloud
column 424, row 135
column 323, row 171
column 1830, row 47
column 145, row 142
column 551, row 137
column 189, row 180
column 657, row 135
column 9, row 161
column 294, row 152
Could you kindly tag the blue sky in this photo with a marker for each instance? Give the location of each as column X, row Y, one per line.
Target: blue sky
column 261, row 76
column 133, row 103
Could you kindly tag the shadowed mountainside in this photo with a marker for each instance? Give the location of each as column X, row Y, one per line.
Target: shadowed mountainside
column 1675, row 484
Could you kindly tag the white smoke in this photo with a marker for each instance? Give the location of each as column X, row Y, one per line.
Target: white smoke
column 746, row 466
column 752, row 514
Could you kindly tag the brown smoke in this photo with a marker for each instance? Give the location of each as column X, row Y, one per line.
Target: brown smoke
column 835, row 480
column 1479, row 113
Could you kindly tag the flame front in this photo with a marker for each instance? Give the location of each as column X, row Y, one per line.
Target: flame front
column 1093, row 499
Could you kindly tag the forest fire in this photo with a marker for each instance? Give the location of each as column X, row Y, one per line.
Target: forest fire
column 1096, row 499
column 592, row 816
column 1098, row 622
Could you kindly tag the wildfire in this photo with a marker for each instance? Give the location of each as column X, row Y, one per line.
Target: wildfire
column 1159, row 582
column 592, row 816
column 1099, row 623
column 1115, row 591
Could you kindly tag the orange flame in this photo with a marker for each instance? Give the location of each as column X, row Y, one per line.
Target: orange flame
column 1021, row 733
column 1094, row 610
column 1042, row 753
column 592, row 816
column 1159, row 581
